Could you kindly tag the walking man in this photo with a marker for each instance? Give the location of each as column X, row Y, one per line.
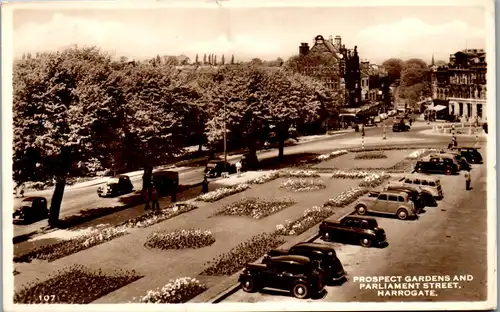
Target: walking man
column 467, row 180
column 204, row 185
column 154, row 198
column 411, row 120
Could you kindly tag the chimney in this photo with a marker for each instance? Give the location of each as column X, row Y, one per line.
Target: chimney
column 338, row 42
column 304, row 48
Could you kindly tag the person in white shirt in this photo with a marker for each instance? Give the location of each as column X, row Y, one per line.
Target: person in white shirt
column 238, row 168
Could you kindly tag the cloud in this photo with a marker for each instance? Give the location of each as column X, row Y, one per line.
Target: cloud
column 411, row 37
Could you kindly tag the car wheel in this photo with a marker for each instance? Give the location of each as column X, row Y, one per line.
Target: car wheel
column 300, row 291
column 248, row 284
column 448, row 171
column 361, row 210
column 365, row 242
column 402, row 214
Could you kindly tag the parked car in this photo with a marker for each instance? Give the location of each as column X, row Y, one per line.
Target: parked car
column 215, row 168
column 322, row 253
column 298, row 274
column 470, row 153
column 437, row 164
column 463, row 164
column 416, row 194
column 166, row 182
column 116, row 186
column 249, row 161
column 387, row 202
column 31, row 209
column 430, row 185
column 400, row 127
column 354, row 229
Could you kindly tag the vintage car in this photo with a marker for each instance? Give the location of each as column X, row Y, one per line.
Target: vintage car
column 400, row 127
column 353, row 229
column 462, row 162
column 215, row 168
column 31, row 209
column 298, row 274
column 438, row 163
column 166, row 182
column 387, row 202
column 420, row 196
column 116, row 186
column 470, row 153
column 429, row 184
column 324, row 254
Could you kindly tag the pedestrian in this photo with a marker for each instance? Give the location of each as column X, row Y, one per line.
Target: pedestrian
column 238, row 168
column 204, row 185
column 467, row 180
column 455, row 142
column 411, row 120
column 147, row 197
column 450, row 145
column 154, row 198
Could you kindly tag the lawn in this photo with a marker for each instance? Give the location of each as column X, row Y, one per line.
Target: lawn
column 348, row 161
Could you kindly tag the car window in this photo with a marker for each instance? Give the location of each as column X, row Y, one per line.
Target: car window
column 401, row 199
column 432, row 183
column 434, row 160
column 408, row 181
column 424, row 182
column 417, row 181
column 364, row 225
column 382, row 197
column 393, row 198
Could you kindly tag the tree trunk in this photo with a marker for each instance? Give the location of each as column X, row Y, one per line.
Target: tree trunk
column 281, row 153
column 200, row 147
column 55, row 203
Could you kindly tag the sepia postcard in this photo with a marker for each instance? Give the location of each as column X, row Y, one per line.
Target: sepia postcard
column 249, row 155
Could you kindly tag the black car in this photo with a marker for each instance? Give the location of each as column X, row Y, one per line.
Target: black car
column 462, row 162
column 116, row 186
column 322, row 253
column 355, row 229
column 437, row 164
column 32, row 209
column 215, row 168
column 298, row 274
column 400, row 127
column 470, row 153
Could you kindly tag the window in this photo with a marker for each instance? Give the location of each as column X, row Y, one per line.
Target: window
column 393, row 198
column 432, row 184
column 408, row 181
column 364, row 225
column 424, row 182
column 417, row 181
column 401, row 199
column 382, row 197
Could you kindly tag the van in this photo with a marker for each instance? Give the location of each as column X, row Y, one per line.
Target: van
column 426, row 183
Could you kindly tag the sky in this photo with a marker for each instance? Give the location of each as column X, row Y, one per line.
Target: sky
column 267, row 33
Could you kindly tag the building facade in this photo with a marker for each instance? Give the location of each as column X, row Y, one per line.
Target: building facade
column 461, row 85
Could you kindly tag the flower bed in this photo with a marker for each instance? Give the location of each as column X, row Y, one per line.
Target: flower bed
column 213, row 196
column 298, row 174
column 179, row 239
column 374, row 180
column 71, row 246
column 421, row 153
column 156, row 216
column 273, row 175
column 306, row 221
column 176, row 291
column 352, row 174
column 256, row 208
column 75, row 285
column 303, row 185
column 331, row 155
column 347, row 197
column 248, row 251
column 371, row 155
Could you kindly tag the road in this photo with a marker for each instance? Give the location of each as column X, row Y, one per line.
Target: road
column 77, row 198
column 447, row 240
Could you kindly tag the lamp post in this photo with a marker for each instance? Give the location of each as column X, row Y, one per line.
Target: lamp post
column 225, row 138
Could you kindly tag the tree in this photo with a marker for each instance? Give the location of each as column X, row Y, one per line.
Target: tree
column 222, row 60
column 62, row 103
column 256, row 62
column 215, row 59
column 205, row 58
column 232, row 59
column 393, row 67
column 196, row 59
column 210, row 59
column 414, row 80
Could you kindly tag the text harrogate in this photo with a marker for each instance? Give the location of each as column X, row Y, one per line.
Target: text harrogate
column 406, row 293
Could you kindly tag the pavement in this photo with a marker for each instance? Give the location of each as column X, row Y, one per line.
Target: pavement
column 447, row 240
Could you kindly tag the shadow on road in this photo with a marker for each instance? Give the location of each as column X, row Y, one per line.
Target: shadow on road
column 292, row 160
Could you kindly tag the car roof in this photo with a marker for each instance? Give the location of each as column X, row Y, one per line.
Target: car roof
column 165, row 172
column 421, row 176
column 292, row 258
column 358, row 218
column 322, row 247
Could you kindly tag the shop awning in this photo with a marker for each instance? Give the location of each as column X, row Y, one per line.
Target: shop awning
column 437, row 108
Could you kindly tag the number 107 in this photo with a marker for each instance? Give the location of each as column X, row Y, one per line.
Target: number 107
column 47, row 298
